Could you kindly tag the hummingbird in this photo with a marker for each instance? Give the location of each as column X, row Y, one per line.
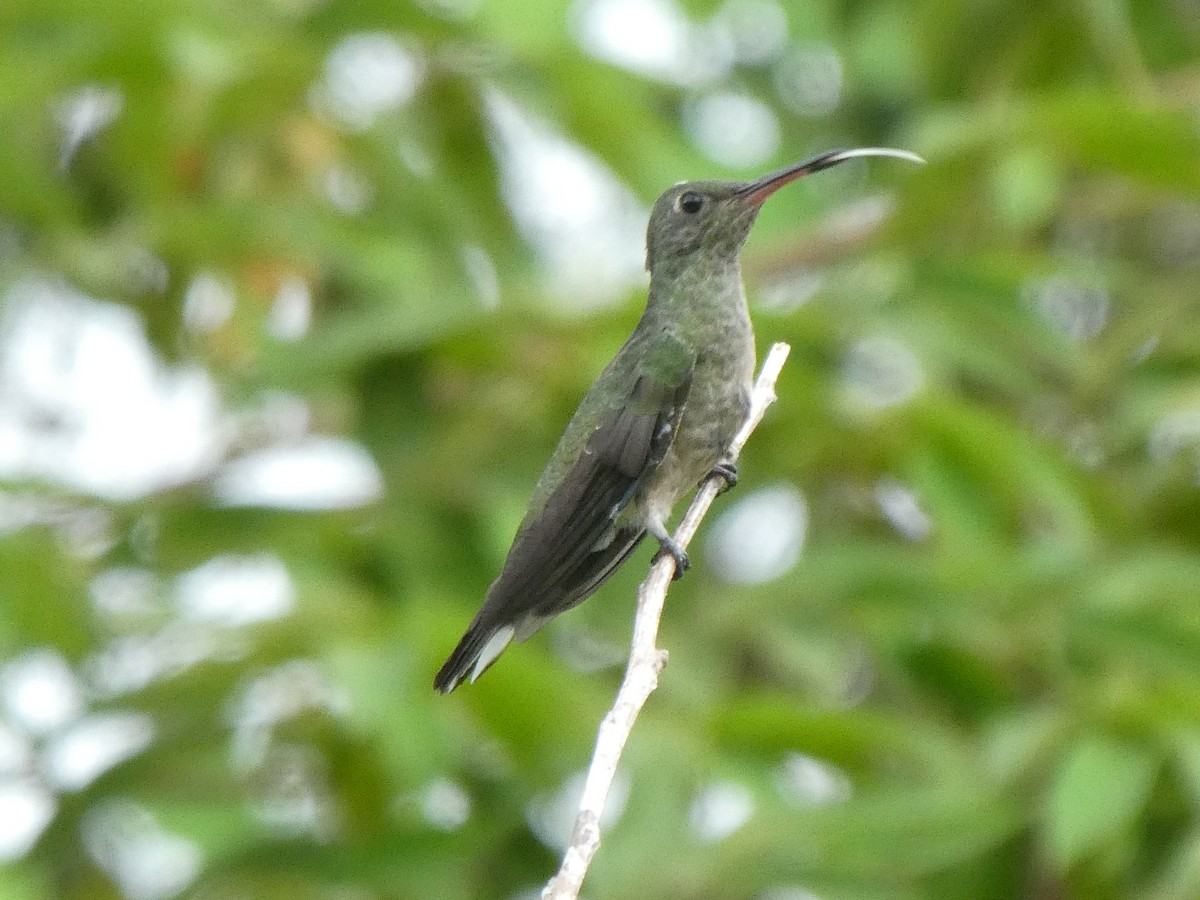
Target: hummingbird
column 653, row 426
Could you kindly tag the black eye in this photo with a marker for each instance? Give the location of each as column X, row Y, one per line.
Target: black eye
column 690, row 202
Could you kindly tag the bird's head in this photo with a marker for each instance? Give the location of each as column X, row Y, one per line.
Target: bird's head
column 714, row 217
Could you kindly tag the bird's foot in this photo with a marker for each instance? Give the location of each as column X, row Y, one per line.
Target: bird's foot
column 668, row 547
column 727, row 471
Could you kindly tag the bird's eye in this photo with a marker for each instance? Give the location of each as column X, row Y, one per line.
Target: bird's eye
column 690, row 202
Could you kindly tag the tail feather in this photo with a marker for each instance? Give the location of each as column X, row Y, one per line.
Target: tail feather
column 486, row 639
column 477, row 650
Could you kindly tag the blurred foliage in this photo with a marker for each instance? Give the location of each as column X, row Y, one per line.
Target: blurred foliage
column 1002, row 691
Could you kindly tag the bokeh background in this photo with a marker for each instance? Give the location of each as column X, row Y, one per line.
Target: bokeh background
column 295, row 297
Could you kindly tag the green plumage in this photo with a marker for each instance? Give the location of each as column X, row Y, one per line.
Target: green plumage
column 652, row 426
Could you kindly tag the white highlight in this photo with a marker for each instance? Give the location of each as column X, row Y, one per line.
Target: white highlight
column 760, row 536
column 83, row 114
column 208, row 302
column 291, row 311
column 94, row 745
column 878, row 151
column 1176, row 432
column 366, row 76
column 85, row 402
column 493, row 648
column 721, row 809
column 1078, row 308
column 446, row 805
column 654, row 37
column 146, row 861
column 26, row 808
column 585, row 225
column 809, row 80
column 316, row 473
column 808, row 781
column 237, row 590
column 40, row 692
column 880, row 372
column 757, row 29
column 291, row 689
column 901, row 508
column 736, row 130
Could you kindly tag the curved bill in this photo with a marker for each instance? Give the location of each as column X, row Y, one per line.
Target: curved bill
column 755, row 192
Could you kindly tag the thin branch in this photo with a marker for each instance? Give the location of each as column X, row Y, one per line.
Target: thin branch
column 645, row 659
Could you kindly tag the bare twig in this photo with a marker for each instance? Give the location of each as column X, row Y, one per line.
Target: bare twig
column 645, row 659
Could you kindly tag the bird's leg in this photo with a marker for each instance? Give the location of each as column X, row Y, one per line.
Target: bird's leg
column 667, row 545
column 726, row 470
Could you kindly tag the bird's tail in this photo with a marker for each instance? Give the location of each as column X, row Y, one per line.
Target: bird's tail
column 478, row 649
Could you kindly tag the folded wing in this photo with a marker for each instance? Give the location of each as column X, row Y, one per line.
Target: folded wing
column 578, row 538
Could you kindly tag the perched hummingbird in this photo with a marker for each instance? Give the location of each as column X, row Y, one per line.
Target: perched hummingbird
column 655, row 423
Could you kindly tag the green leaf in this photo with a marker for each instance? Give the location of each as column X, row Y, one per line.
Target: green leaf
column 1099, row 789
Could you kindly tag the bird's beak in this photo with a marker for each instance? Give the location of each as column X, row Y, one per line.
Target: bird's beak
column 755, row 192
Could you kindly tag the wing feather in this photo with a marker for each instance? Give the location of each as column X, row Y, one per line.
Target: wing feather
column 554, row 561
column 570, row 545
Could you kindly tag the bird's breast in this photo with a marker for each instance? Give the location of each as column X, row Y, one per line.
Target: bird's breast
column 717, row 405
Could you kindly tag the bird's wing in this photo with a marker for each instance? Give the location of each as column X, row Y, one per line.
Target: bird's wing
column 573, row 543
column 572, row 540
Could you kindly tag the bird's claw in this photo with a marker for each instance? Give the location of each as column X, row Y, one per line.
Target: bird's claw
column 726, row 470
column 669, row 548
